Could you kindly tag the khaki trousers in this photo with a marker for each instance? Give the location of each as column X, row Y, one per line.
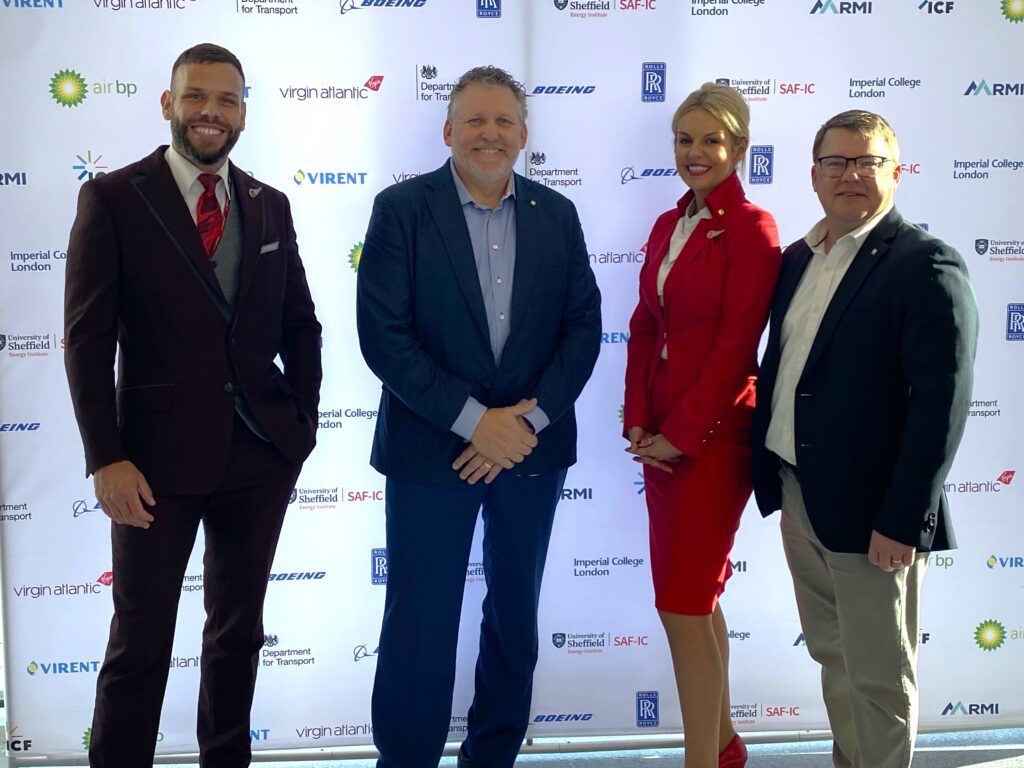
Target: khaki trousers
column 861, row 626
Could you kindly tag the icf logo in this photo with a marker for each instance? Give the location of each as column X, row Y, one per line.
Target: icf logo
column 653, row 81
column 1015, row 322
column 647, row 709
column 16, row 742
column 488, row 9
column 379, row 565
column 936, row 6
column 89, row 167
column 762, row 164
column 831, row 6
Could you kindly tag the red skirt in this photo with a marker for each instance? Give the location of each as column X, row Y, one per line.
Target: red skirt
column 695, row 512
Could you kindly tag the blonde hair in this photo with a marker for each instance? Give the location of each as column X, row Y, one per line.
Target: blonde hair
column 723, row 103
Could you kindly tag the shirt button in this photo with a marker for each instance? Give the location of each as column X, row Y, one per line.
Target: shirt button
column 498, row 281
column 494, row 246
column 501, row 315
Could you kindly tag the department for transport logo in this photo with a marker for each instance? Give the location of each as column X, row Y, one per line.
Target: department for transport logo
column 1013, row 10
column 762, row 163
column 990, row 635
column 553, row 176
column 488, row 9
column 647, row 715
column 68, row 88
column 1015, row 322
column 653, row 81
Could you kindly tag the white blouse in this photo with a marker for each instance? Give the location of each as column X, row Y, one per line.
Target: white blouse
column 684, row 228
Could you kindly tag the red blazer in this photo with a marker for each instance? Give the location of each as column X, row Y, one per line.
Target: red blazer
column 717, row 298
column 138, row 281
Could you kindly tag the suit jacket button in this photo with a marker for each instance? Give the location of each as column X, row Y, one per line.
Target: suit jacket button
column 487, row 385
column 229, row 387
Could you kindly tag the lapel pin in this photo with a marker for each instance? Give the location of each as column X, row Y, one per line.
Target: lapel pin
column 533, row 202
column 874, row 251
column 721, row 211
column 254, row 192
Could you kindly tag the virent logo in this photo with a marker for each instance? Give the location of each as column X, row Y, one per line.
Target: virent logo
column 62, row 667
column 995, row 561
column 539, row 90
column 959, row 708
column 322, row 178
column 647, row 715
column 831, row 6
column 297, row 576
column 982, row 88
column 615, row 337
column 564, row 717
column 33, row 4
column 379, row 565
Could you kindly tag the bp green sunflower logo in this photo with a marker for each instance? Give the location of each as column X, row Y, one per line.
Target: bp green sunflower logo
column 1013, row 10
column 68, row 88
column 990, row 635
column 86, row 738
column 355, row 255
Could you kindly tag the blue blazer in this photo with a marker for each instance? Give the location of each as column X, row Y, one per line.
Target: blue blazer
column 883, row 399
column 423, row 331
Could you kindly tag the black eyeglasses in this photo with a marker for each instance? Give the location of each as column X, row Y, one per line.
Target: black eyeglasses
column 834, row 166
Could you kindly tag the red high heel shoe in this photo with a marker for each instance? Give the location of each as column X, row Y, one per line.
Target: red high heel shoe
column 734, row 755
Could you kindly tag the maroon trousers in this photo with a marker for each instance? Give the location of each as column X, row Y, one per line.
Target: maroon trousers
column 241, row 524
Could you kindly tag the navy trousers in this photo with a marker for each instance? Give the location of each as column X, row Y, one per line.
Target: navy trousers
column 429, row 534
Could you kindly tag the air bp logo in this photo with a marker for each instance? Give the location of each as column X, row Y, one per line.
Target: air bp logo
column 68, row 88
column 355, row 255
column 990, row 635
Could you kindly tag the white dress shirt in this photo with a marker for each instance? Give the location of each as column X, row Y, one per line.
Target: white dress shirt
column 680, row 236
column 803, row 318
column 186, row 176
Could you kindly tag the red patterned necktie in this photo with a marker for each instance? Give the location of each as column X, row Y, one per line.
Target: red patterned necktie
column 209, row 217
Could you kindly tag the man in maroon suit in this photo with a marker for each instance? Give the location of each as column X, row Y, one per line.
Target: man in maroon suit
column 188, row 268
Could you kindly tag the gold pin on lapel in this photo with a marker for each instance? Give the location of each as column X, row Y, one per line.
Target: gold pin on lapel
column 874, row 251
column 254, row 192
column 533, row 202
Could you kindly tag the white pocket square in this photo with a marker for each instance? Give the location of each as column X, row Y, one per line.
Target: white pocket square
column 714, row 233
column 270, row 247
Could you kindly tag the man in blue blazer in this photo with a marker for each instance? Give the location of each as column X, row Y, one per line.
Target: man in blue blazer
column 861, row 403
column 479, row 312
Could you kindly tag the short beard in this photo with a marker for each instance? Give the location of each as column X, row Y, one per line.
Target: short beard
column 179, row 135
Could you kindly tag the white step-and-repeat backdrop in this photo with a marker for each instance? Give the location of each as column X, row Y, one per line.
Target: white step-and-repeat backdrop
column 347, row 98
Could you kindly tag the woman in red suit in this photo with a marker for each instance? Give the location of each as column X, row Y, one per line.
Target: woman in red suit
column 705, row 291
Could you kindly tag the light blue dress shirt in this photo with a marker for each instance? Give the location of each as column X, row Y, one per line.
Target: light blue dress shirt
column 492, row 233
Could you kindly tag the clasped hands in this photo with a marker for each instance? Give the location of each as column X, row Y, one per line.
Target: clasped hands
column 502, row 439
column 653, row 450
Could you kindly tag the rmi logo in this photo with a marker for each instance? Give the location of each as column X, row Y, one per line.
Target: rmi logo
column 831, row 6
column 959, row 708
column 977, row 88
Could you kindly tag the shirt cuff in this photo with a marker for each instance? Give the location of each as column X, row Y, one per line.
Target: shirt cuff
column 537, row 418
column 467, row 420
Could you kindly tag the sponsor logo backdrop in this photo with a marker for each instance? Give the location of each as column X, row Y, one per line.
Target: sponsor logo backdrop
column 353, row 100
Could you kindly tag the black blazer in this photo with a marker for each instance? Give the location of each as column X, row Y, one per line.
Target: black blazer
column 138, row 281
column 883, row 399
column 423, row 332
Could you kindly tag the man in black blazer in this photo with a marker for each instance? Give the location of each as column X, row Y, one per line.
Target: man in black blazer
column 187, row 268
column 861, row 403
column 478, row 311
